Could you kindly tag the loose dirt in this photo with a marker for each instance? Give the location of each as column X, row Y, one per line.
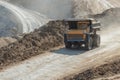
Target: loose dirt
column 111, row 68
column 82, row 8
column 4, row 41
column 43, row 39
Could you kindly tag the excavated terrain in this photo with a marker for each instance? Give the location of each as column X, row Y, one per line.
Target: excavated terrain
column 43, row 39
column 108, row 18
column 109, row 69
column 50, row 36
column 82, row 8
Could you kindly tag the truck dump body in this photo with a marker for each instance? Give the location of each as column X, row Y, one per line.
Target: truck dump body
column 80, row 31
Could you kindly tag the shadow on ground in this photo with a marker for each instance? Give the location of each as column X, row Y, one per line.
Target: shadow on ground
column 70, row 51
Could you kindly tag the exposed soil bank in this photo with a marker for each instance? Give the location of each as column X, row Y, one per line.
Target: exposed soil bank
column 108, row 69
column 43, row 39
column 67, row 8
column 82, row 8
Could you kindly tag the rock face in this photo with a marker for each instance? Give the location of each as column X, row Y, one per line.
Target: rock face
column 87, row 7
column 8, row 22
column 20, row 20
column 15, row 20
column 67, row 8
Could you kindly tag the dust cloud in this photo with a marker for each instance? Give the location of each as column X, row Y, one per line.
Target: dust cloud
column 52, row 8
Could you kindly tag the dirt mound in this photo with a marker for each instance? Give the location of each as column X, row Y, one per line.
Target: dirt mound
column 108, row 69
column 45, row 38
column 109, row 19
column 82, row 8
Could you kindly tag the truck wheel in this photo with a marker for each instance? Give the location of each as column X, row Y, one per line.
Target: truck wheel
column 96, row 41
column 68, row 45
column 89, row 44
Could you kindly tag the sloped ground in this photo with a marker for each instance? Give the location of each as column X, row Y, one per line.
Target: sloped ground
column 57, row 63
column 111, row 68
column 15, row 21
column 82, row 8
column 43, row 39
column 56, row 9
column 115, row 77
column 110, row 21
column 67, row 8
column 62, row 62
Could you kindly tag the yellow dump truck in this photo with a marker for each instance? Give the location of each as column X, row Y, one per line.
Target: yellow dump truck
column 82, row 33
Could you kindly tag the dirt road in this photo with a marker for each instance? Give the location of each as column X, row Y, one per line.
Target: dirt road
column 60, row 63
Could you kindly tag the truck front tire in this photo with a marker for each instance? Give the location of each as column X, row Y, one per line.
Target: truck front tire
column 89, row 44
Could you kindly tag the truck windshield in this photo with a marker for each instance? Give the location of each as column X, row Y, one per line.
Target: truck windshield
column 78, row 25
column 82, row 26
column 72, row 24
